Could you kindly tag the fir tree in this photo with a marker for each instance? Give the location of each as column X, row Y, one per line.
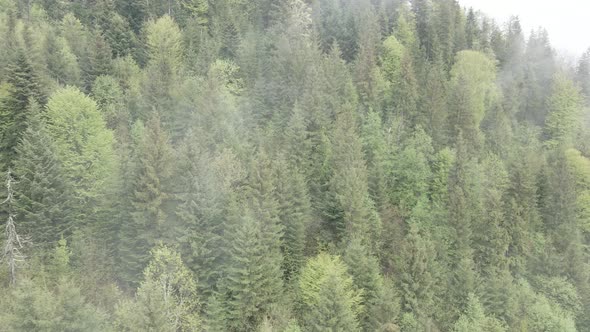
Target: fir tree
column 349, row 185
column 327, row 296
column 565, row 104
column 252, row 281
column 43, row 190
column 14, row 109
column 294, row 215
column 200, row 212
column 149, row 222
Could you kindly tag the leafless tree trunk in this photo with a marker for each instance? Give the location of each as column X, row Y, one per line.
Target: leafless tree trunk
column 13, row 244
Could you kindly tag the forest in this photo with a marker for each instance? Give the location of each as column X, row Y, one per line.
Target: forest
column 289, row 166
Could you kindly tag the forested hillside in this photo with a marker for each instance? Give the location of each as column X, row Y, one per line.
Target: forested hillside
column 289, row 165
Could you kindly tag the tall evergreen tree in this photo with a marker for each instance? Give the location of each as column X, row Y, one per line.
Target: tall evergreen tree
column 166, row 299
column 252, row 281
column 463, row 207
column 149, row 221
column 43, row 189
column 327, row 296
column 565, row 104
column 14, row 108
column 294, row 215
column 200, row 212
column 357, row 216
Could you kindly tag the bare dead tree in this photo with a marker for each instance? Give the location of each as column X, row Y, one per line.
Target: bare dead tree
column 12, row 254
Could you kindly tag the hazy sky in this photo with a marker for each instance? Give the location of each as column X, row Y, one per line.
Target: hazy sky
column 567, row 21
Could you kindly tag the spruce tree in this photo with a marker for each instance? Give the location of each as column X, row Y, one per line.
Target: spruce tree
column 491, row 237
column 98, row 60
column 418, row 280
column 43, row 189
column 327, row 298
column 149, row 221
column 364, row 268
column 348, row 186
column 166, row 299
column 332, row 311
column 583, row 74
column 252, row 281
column 14, row 108
column 462, row 209
column 565, row 109
column 200, row 212
column 294, row 215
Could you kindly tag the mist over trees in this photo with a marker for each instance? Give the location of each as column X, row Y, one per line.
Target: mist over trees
column 292, row 165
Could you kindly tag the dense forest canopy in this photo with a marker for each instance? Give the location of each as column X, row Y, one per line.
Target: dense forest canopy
column 289, row 165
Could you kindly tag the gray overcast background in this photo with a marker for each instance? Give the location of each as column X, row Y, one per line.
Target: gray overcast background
column 567, row 21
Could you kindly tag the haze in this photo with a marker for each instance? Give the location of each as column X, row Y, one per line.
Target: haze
column 566, row 21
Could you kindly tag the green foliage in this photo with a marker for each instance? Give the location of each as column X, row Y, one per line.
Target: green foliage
column 84, row 146
column 472, row 91
column 166, row 299
column 108, row 95
column 294, row 215
column 199, row 212
column 34, row 307
column 43, row 191
column 148, row 223
column 475, row 319
column 535, row 312
column 355, row 211
column 328, row 299
column 253, row 277
column 444, row 157
column 23, row 88
column 417, row 274
column 164, row 45
column 364, row 269
column 565, row 108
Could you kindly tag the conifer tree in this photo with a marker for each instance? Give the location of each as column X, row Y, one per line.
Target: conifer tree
column 426, row 34
column 432, row 104
column 294, row 215
column 475, row 319
column 62, row 62
column 583, row 74
column 215, row 314
column 14, row 108
column 411, row 172
column 164, row 61
column 298, row 141
column 328, row 299
column 43, row 189
column 252, row 281
column 349, row 185
column 98, row 60
column 333, row 310
column 149, row 220
column 375, row 146
column 462, row 209
column 166, row 299
column 565, row 105
column 491, row 238
column 199, row 212
column 365, row 271
column 417, row 274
